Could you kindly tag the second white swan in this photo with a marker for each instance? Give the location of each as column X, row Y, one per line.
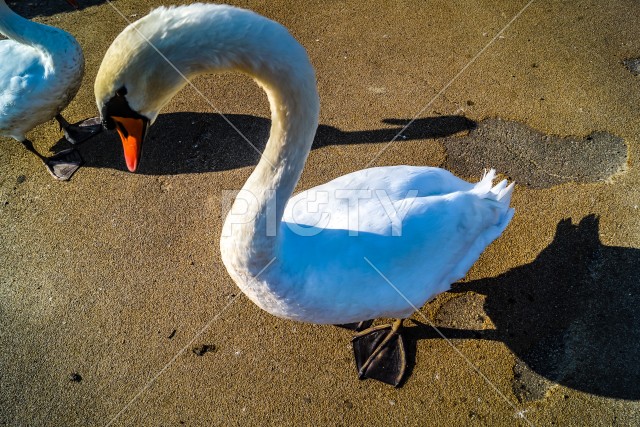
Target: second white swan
column 375, row 243
column 41, row 69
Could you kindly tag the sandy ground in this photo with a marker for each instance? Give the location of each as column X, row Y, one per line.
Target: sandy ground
column 109, row 282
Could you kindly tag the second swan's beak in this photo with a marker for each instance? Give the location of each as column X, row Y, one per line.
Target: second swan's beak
column 132, row 133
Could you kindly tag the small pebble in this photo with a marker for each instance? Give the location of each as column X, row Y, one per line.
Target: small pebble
column 633, row 65
column 21, row 179
column 75, row 377
column 202, row 349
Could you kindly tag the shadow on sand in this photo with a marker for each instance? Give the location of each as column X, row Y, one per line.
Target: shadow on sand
column 570, row 317
column 202, row 142
column 33, row 8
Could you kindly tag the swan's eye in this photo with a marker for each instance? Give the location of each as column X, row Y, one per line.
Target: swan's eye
column 108, row 123
column 118, row 106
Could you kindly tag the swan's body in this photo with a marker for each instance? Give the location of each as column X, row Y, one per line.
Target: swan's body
column 274, row 254
column 421, row 227
column 41, row 69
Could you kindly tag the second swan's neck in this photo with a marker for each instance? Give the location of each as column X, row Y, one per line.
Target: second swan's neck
column 42, row 37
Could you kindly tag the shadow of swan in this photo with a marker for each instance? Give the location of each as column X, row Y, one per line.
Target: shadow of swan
column 570, row 317
column 31, row 9
column 202, row 142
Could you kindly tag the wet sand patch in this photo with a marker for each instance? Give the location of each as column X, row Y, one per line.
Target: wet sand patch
column 533, row 158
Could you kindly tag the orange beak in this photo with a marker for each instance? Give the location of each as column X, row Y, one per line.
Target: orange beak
column 132, row 133
column 73, row 3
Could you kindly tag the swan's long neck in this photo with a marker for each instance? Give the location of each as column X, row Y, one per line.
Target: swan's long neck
column 280, row 65
column 253, row 236
column 24, row 31
column 151, row 59
column 15, row 26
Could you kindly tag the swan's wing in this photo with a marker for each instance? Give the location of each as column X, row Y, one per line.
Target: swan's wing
column 22, row 70
column 438, row 239
column 21, row 78
column 369, row 200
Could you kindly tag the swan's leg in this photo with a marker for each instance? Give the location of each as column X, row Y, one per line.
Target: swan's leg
column 62, row 165
column 79, row 132
column 380, row 354
column 357, row 326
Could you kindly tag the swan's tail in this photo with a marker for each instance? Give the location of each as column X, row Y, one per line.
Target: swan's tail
column 500, row 193
column 493, row 214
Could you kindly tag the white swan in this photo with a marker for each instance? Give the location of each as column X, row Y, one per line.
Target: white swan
column 40, row 73
column 310, row 258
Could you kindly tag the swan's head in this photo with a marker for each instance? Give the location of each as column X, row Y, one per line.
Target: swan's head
column 133, row 83
column 132, row 126
column 151, row 60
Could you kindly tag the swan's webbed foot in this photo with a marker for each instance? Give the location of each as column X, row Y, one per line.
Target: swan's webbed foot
column 61, row 166
column 64, row 164
column 80, row 131
column 379, row 353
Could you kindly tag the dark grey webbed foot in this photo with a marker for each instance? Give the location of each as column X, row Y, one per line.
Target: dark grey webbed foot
column 64, row 164
column 81, row 131
column 380, row 354
column 61, row 166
